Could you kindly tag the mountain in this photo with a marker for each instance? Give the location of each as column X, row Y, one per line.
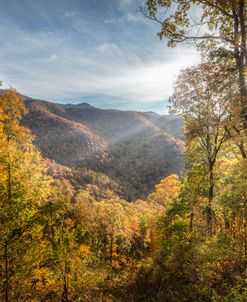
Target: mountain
column 80, row 105
column 135, row 149
column 169, row 123
column 61, row 138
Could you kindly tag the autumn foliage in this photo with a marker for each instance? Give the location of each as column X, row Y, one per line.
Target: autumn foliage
column 72, row 238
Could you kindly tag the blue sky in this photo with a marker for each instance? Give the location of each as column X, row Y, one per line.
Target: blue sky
column 103, row 52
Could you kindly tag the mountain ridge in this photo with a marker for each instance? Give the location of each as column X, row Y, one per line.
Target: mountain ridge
column 135, row 149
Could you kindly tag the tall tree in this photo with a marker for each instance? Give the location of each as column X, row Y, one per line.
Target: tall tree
column 203, row 102
column 23, row 187
column 221, row 26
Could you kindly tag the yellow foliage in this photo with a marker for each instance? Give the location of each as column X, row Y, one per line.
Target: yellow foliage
column 43, row 276
column 84, row 249
column 168, row 188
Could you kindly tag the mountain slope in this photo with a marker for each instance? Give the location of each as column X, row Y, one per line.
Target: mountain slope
column 66, row 141
column 134, row 149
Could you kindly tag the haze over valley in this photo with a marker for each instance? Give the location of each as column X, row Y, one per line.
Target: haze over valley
column 135, row 149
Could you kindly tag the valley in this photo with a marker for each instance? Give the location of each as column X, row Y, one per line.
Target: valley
column 133, row 149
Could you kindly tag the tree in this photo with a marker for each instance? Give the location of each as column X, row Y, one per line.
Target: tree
column 167, row 189
column 23, row 188
column 223, row 22
column 203, row 102
column 233, row 197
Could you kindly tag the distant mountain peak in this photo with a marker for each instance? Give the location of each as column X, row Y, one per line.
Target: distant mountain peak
column 151, row 113
column 80, row 105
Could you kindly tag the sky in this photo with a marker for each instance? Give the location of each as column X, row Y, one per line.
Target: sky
column 103, row 52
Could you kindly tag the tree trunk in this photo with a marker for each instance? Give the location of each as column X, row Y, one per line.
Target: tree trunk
column 111, row 250
column 240, row 54
column 6, row 284
column 245, row 235
column 233, row 226
column 191, row 220
column 210, row 200
column 65, row 295
column 6, row 273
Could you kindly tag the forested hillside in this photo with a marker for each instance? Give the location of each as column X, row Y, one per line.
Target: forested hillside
column 68, row 234
column 135, row 149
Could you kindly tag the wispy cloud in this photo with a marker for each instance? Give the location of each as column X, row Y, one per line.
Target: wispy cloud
column 85, row 56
